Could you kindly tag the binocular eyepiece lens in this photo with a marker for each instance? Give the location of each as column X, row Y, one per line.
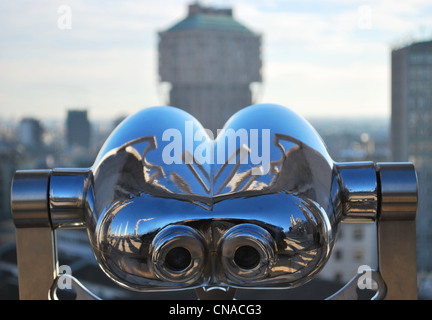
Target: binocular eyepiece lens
column 178, row 259
column 247, row 257
column 178, row 254
column 247, row 253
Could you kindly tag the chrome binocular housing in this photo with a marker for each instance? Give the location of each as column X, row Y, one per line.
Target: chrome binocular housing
column 168, row 206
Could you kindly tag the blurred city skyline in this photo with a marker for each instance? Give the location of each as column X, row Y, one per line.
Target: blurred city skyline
column 320, row 58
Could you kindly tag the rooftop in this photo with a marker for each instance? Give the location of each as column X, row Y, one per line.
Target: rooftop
column 210, row 18
column 415, row 44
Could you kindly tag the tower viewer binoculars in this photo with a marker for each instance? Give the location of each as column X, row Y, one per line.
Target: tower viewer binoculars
column 167, row 206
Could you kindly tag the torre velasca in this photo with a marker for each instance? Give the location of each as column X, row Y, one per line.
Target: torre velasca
column 210, row 62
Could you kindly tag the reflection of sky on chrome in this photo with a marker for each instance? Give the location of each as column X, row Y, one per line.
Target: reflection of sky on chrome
column 117, row 229
column 144, row 215
column 320, row 57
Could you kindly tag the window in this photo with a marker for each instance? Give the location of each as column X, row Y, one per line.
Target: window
column 338, row 254
column 358, row 233
column 338, row 276
column 358, row 254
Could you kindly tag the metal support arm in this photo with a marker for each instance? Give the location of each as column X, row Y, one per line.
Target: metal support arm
column 35, row 238
column 396, row 229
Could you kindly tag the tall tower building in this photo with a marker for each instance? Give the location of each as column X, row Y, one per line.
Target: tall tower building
column 411, row 131
column 210, row 61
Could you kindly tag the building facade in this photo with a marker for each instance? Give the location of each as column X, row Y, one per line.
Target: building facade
column 209, row 61
column 78, row 129
column 354, row 249
column 30, row 133
column 411, row 131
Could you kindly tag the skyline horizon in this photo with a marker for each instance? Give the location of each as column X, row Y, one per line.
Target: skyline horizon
column 321, row 59
column 96, row 119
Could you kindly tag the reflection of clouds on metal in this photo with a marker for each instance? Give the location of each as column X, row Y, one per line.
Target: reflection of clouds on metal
column 138, row 222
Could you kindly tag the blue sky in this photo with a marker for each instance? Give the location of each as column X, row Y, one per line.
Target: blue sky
column 321, row 58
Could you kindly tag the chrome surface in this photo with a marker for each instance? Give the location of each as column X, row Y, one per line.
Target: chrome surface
column 169, row 207
column 397, row 259
column 67, row 197
column 29, row 198
column 356, row 192
column 215, row 293
column 284, row 214
column 399, row 191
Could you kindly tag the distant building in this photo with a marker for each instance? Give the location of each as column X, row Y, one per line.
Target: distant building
column 8, row 165
column 30, row 133
column 411, row 131
column 210, row 61
column 78, row 129
column 355, row 247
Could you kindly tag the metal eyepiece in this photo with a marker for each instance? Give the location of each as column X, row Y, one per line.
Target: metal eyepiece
column 247, row 252
column 178, row 254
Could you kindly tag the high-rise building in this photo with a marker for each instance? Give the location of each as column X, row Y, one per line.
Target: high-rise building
column 411, row 131
column 30, row 133
column 210, row 61
column 78, row 129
